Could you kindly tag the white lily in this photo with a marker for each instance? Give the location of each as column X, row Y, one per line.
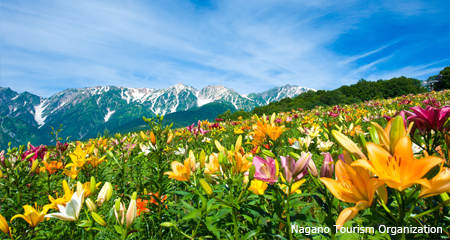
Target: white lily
column 71, row 211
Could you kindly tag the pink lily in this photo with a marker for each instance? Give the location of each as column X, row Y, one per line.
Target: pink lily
column 429, row 119
column 295, row 170
column 266, row 171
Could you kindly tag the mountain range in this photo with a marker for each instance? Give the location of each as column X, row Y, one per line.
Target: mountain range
column 83, row 113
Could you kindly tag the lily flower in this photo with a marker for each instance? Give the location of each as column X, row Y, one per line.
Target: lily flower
column 258, row 187
column 274, row 132
column 353, row 186
column 72, row 173
column 241, row 163
column 327, row 168
column 95, row 161
column 266, row 170
column 51, row 167
column 439, row 184
column 401, row 170
column 295, row 170
column 4, row 226
column 213, row 167
column 429, row 119
column 33, row 216
column 71, row 211
column 78, row 158
column 180, row 172
column 62, row 200
column 325, row 146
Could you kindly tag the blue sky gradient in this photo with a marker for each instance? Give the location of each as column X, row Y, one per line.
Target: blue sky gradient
column 250, row 46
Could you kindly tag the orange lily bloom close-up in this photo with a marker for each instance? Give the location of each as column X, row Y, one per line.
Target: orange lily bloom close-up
column 353, row 185
column 400, row 171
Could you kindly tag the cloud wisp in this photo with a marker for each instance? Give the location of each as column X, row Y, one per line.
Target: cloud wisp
column 48, row 46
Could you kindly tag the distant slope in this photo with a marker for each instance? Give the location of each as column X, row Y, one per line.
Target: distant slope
column 19, row 132
column 179, row 119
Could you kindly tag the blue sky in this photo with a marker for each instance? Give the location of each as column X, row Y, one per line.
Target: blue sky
column 250, row 46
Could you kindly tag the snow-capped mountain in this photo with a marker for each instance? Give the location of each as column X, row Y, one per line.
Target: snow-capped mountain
column 82, row 111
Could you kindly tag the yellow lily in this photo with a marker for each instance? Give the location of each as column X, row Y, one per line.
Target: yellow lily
column 95, row 161
column 258, row 187
column 439, row 184
column 180, row 172
column 72, row 173
column 353, row 185
column 33, row 216
column 78, row 157
column 400, row 171
column 294, row 188
column 62, row 200
column 87, row 188
column 213, row 166
column 4, row 225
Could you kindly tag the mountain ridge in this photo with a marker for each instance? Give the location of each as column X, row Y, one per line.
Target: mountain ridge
column 82, row 112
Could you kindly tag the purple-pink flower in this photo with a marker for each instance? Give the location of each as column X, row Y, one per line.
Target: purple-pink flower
column 38, row 152
column 327, row 168
column 429, row 119
column 266, row 170
column 295, row 170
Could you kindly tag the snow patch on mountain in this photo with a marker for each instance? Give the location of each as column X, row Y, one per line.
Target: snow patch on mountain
column 109, row 114
column 38, row 110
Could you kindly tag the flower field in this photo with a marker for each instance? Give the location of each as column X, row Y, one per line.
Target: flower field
column 374, row 170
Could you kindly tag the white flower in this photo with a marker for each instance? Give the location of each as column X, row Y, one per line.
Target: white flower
column 181, row 151
column 71, row 211
column 325, row 146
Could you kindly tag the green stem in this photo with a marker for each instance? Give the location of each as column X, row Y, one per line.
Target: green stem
column 433, row 209
column 236, row 229
column 288, row 216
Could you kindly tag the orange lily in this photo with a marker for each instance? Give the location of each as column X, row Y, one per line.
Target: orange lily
column 213, row 166
column 33, row 216
column 274, row 132
column 439, row 184
column 400, row 171
column 353, row 185
column 4, row 226
column 242, row 165
column 180, row 172
column 51, row 167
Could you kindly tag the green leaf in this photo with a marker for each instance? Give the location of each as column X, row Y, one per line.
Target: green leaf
column 194, row 214
column 118, row 229
column 250, row 234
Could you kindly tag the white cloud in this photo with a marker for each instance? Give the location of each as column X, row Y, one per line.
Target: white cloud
column 250, row 47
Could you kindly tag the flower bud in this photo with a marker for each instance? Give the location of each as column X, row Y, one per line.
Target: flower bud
column 327, row 168
column 131, row 212
column 143, row 136
column 152, row 138
column 202, row 158
column 237, row 147
column 1, row 174
column 91, row 205
column 93, row 185
column 34, row 165
column 98, row 219
column 251, row 173
column 206, row 187
column 221, row 157
column 145, row 191
column 268, row 153
column 347, row 144
column 2, row 159
column 397, row 131
column 170, row 138
column 119, row 211
column 104, row 194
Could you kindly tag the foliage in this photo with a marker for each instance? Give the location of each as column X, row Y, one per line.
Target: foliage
column 355, row 93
